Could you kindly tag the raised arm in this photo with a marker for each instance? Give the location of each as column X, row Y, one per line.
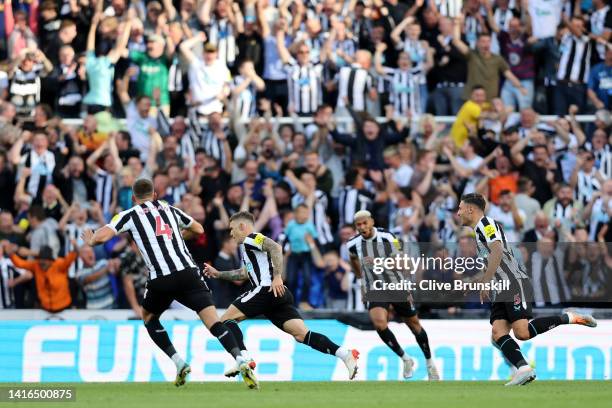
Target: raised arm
column 122, row 40
column 283, row 52
column 187, row 45
column 91, row 36
column 380, row 48
column 397, row 31
column 235, row 17
column 170, row 9
column 460, row 45
column 261, row 17
column 204, row 12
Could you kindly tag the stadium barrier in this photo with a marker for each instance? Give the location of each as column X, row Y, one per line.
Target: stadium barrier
column 121, row 350
column 448, row 120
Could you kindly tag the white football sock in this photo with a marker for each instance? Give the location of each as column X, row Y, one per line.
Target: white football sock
column 406, row 357
column 342, row 353
column 178, row 361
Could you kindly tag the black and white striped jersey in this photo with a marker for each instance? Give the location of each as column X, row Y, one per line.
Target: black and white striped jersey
column 354, row 83
column 575, row 63
column 511, row 267
column 383, row 244
column 586, row 185
column 352, row 200
column 256, row 261
column 74, row 231
column 156, row 228
column 174, row 194
column 104, row 189
column 405, row 90
column 221, row 33
column 7, row 272
column 305, row 87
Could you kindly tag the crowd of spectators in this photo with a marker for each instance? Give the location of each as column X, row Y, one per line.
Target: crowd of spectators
column 272, row 106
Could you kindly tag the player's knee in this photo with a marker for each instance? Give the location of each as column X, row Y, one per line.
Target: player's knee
column 147, row 316
column 299, row 336
column 380, row 324
column 414, row 324
column 521, row 333
column 497, row 334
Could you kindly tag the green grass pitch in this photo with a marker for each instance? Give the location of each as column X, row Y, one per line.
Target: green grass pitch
column 454, row 394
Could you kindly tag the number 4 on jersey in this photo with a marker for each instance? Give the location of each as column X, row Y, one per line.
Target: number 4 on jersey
column 161, row 228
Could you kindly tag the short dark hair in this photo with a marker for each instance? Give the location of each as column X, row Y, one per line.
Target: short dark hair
column 505, row 192
column 475, row 199
column 477, row 87
column 142, row 188
column 243, row 215
column 350, row 177
column 38, row 212
column 523, row 183
column 301, row 205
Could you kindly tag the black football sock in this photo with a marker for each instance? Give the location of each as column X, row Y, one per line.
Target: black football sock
column 232, row 325
column 543, row 324
column 320, row 343
column 423, row 341
column 389, row 339
column 226, row 338
column 511, row 351
column 160, row 337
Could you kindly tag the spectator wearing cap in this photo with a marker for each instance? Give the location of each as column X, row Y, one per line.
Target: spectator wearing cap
column 484, row 67
column 600, row 82
column 209, row 77
column 153, row 75
column 51, row 276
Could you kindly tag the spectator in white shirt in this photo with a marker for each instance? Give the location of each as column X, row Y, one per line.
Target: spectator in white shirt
column 209, row 78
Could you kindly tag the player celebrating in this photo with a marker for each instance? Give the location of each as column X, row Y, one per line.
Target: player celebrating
column 514, row 315
column 156, row 228
column 263, row 265
column 365, row 246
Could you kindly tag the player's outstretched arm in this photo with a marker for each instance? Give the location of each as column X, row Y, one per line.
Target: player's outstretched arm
column 99, row 237
column 275, row 251
column 233, row 275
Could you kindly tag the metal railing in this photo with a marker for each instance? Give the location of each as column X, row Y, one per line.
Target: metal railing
column 346, row 119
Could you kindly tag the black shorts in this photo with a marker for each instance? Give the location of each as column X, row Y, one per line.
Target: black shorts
column 402, row 309
column 519, row 308
column 186, row 287
column 260, row 301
